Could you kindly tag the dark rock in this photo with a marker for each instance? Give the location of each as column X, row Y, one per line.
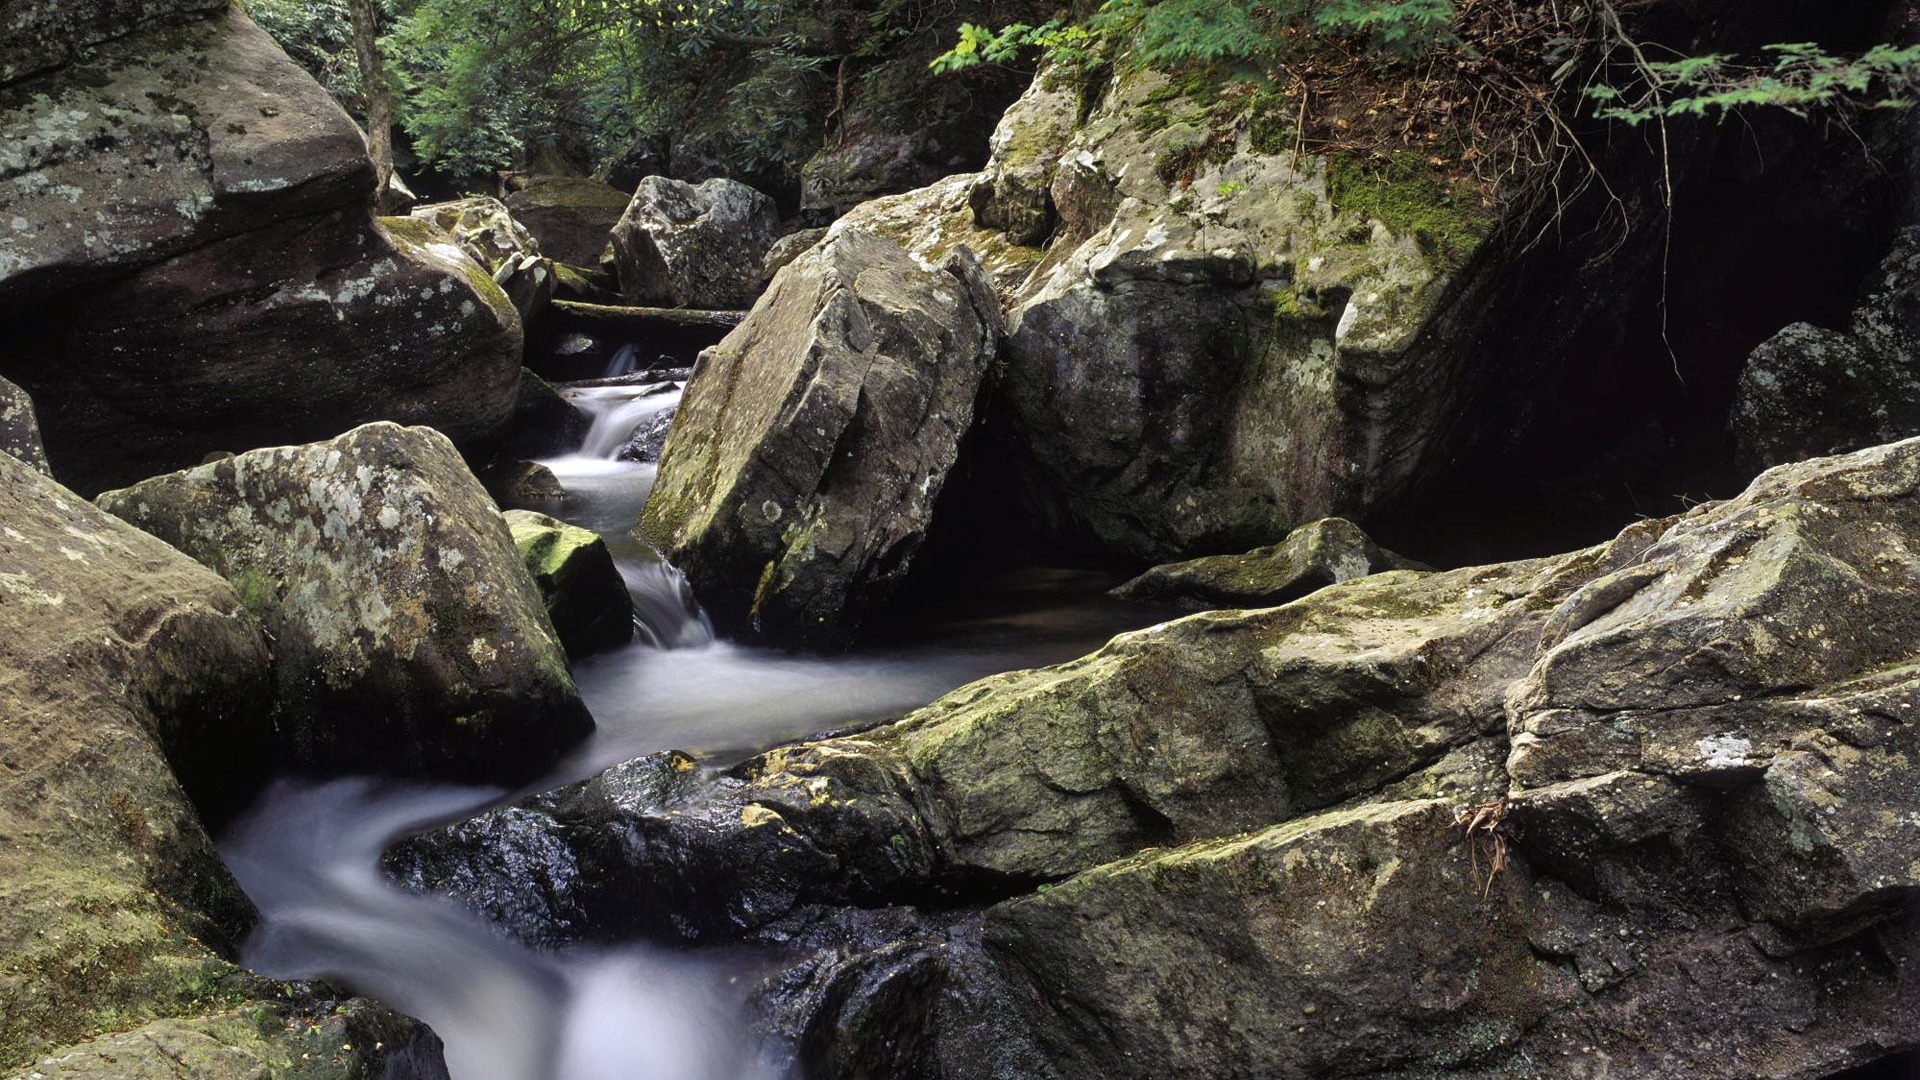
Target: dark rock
column 571, row 217
column 172, row 138
column 42, row 34
column 650, row 437
column 795, row 505
column 1313, row 556
column 19, row 429
column 1808, row 391
column 545, row 424
column 679, row 245
column 529, row 282
column 586, row 597
column 523, row 484
column 295, row 331
column 408, row 637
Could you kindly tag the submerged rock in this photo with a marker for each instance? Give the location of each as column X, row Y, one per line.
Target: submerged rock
column 290, row 332
column 811, row 443
column 1809, row 391
column 19, row 428
column 678, row 245
column 585, row 596
column 1409, row 823
column 132, row 679
column 571, row 217
column 407, row 634
column 1313, row 556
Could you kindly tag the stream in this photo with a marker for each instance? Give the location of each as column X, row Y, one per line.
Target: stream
column 308, row 851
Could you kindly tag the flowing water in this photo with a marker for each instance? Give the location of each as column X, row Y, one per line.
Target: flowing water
column 308, row 852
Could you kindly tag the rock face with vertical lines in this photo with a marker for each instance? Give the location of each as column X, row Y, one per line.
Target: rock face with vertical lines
column 811, row 443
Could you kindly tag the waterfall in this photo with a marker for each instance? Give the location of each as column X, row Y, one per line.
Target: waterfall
column 617, row 412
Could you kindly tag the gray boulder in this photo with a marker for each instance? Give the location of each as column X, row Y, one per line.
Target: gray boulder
column 44, row 34
column 19, row 428
column 135, row 688
column 811, row 443
column 171, row 137
column 679, row 245
column 483, row 227
column 407, row 634
column 788, row 248
column 572, row 217
column 1809, row 391
column 585, row 596
column 290, row 332
column 1313, row 556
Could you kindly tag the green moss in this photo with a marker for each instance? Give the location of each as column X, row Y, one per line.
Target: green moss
column 1447, row 220
column 571, row 193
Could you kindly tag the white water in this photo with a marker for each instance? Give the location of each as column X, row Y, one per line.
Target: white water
column 308, row 853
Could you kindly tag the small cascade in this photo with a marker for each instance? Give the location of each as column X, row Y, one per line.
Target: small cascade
column 665, row 614
column 625, row 360
column 617, row 412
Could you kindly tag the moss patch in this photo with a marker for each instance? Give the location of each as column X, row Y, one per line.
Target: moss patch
column 1446, row 219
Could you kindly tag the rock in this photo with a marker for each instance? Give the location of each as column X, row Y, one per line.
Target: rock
column 571, row 217
column 650, row 437
column 523, row 484
column 788, row 248
column 679, row 245
column 812, row 442
column 19, row 429
column 172, row 137
column 1012, row 196
column 931, row 222
column 133, row 680
column 529, row 283
column 295, row 331
column 41, row 36
column 545, row 424
column 1678, row 774
column 408, row 636
column 483, row 228
column 585, row 596
column 1809, row 391
column 1313, row 556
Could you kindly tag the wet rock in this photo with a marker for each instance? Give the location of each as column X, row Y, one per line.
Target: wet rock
column 171, row 137
column 678, row 245
column 483, row 228
column 1809, row 391
column 407, row 635
column 650, row 437
column 571, row 217
column 19, row 428
column 811, row 443
column 1313, row 556
column 585, row 596
column 295, row 331
column 523, row 484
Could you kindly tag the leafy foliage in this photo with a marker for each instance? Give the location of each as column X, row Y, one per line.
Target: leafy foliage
column 1800, row 78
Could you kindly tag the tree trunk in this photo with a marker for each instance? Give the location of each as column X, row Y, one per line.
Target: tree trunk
column 373, row 86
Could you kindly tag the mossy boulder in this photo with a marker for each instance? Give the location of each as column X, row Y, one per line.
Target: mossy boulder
column 810, row 445
column 1809, row 390
column 483, row 227
column 1313, row 556
column 584, row 593
column 19, row 427
column 408, row 637
column 170, row 138
column 681, row 245
column 572, row 217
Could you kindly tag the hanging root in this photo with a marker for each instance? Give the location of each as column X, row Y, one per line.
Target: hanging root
column 1486, row 827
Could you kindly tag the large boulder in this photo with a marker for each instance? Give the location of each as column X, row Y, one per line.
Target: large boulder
column 586, row 597
column 679, row 245
column 1648, row 807
column 1313, row 556
column 1809, row 391
column 43, row 34
column 19, row 427
column 170, row 138
column 293, row 331
column 572, row 217
column 134, row 686
column 811, row 443
column 407, row 635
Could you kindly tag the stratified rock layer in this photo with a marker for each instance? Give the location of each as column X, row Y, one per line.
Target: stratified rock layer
column 407, row 634
column 811, row 443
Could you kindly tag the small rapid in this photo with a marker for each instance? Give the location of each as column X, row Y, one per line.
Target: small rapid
column 309, row 852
